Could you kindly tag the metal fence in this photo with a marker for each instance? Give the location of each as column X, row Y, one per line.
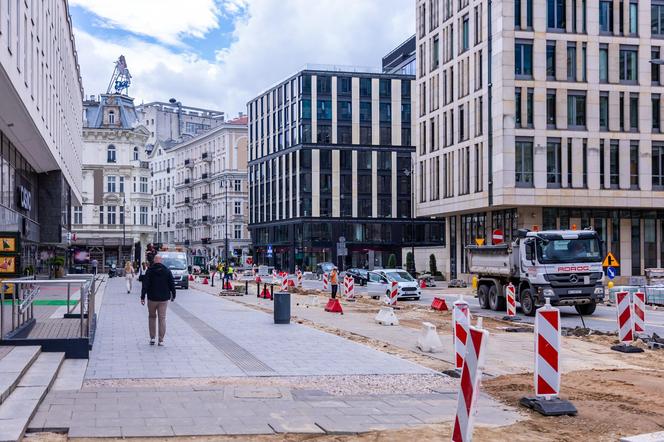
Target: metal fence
column 26, row 291
column 654, row 293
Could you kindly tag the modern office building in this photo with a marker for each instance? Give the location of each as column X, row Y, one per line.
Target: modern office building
column 211, row 193
column 40, row 128
column 330, row 160
column 402, row 59
column 113, row 223
column 175, row 122
column 542, row 114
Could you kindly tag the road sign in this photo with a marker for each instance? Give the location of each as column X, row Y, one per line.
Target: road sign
column 479, row 241
column 341, row 249
column 497, row 237
column 610, row 261
column 269, row 250
column 342, row 239
column 611, row 272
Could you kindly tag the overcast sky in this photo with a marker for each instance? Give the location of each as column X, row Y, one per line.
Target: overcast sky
column 219, row 54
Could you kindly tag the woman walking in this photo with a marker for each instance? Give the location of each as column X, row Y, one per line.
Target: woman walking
column 129, row 275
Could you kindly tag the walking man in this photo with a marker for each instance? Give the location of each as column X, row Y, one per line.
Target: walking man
column 94, row 266
column 159, row 287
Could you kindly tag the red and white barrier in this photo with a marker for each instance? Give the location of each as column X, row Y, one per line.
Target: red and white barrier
column 547, row 351
column 274, row 276
column 460, row 327
column 299, row 278
column 284, row 283
column 470, row 384
column 325, row 283
column 510, row 300
column 350, row 288
column 394, row 292
column 625, row 323
column 639, row 299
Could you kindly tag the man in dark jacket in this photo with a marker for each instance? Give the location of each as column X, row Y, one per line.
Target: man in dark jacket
column 159, row 287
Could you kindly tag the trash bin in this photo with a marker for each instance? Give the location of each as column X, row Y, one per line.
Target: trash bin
column 282, row 308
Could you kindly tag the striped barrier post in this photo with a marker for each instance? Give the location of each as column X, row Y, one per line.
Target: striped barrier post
column 625, row 325
column 639, row 299
column 351, row 288
column 274, row 276
column 391, row 298
column 510, row 301
column 284, row 283
column 299, row 278
column 325, row 284
column 547, row 365
column 470, row 384
column 460, row 327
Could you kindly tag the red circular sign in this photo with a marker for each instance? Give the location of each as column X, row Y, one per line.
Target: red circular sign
column 497, row 237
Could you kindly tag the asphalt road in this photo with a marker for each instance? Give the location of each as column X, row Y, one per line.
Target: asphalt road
column 604, row 318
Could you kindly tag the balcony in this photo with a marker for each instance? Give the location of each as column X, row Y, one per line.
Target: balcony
column 204, row 197
column 188, row 163
column 144, row 165
column 187, row 181
column 205, row 176
column 206, row 240
column 187, row 221
column 187, row 201
column 206, row 156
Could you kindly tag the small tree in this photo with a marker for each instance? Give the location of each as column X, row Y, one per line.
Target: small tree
column 432, row 265
column 392, row 261
column 410, row 262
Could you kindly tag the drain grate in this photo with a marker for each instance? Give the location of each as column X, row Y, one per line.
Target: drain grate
column 244, row 360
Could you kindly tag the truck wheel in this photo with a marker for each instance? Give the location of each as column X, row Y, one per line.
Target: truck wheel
column 528, row 303
column 586, row 309
column 496, row 302
column 483, row 296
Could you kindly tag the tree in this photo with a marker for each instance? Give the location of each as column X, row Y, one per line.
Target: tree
column 410, row 262
column 432, row 265
column 392, row 261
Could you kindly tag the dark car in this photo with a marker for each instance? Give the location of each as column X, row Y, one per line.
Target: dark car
column 359, row 275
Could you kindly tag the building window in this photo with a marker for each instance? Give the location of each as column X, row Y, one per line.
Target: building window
column 237, row 231
column 110, row 154
column 551, row 60
column 111, row 214
column 576, row 109
column 529, row 107
column 634, row 165
column 614, row 164
column 135, row 153
column 603, row 63
column 634, row 112
column 551, row 108
column 658, row 166
column 143, row 187
column 524, row 163
column 633, row 18
column 606, row 16
column 143, row 215
column 517, row 107
column 110, row 184
column 655, row 103
column 324, row 109
column 604, row 111
column 465, row 34
column 555, row 14
column 657, row 18
column 435, row 53
column 385, row 112
column 111, row 117
column 122, row 215
column 571, row 62
column 523, row 53
column 101, row 214
column 628, row 64
column 237, row 208
column 78, row 215
column 237, row 185
column 654, row 67
column 553, row 163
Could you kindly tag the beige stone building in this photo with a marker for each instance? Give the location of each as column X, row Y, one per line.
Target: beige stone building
column 542, row 114
column 211, row 193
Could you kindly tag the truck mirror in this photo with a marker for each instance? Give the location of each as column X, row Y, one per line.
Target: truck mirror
column 530, row 251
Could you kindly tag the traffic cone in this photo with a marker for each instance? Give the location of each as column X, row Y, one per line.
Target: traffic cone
column 191, row 277
column 205, row 281
column 423, row 284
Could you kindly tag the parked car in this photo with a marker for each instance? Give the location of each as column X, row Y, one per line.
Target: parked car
column 380, row 282
column 323, row 267
column 359, row 275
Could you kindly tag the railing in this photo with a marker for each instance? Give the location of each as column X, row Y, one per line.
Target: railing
column 27, row 290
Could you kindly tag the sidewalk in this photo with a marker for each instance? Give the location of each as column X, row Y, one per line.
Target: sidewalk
column 227, row 369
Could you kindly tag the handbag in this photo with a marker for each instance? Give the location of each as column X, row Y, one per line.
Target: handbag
column 140, row 275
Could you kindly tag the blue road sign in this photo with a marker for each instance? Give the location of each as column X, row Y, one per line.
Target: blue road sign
column 269, row 250
column 611, row 272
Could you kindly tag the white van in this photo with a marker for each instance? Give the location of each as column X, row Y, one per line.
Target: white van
column 176, row 262
column 380, row 281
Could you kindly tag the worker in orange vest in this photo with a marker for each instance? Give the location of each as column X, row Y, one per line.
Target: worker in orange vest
column 334, row 281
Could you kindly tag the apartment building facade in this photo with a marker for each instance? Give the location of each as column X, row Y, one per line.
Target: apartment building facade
column 112, row 224
column 41, row 98
column 172, row 121
column 542, row 114
column 211, row 193
column 330, row 170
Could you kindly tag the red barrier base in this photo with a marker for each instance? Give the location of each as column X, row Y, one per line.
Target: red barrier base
column 265, row 294
column 423, row 284
column 228, row 285
column 439, row 304
column 333, row 306
column 551, row 407
column 291, row 283
column 191, row 277
column 205, row 281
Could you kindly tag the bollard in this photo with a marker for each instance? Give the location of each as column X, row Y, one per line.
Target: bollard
column 271, row 292
column 246, row 287
column 212, row 281
column 258, row 289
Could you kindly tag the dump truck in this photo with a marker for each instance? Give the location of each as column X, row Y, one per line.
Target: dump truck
column 562, row 265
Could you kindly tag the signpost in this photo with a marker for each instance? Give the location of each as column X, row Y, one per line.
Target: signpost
column 479, row 241
column 497, row 237
column 610, row 261
column 342, row 250
column 269, row 251
column 611, row 272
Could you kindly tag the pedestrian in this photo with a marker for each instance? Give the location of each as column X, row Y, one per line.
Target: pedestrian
column 334, row 281
column 159, row 287
column 141, row 271
column 229, row 272
column 94, row 266
column 129, row 275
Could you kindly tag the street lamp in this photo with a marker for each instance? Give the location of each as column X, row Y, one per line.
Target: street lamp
column 410, row 173
column 224, row 181
column 124, row 230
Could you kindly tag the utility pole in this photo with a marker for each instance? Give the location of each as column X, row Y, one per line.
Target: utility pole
column 124, row 230
column 410, row 173
column 226, row 220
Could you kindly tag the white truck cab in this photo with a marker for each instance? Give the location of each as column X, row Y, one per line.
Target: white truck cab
column 562, row 265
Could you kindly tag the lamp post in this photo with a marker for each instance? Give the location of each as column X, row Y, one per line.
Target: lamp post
column 124, row 229
column 225, row 180
column 410, row 173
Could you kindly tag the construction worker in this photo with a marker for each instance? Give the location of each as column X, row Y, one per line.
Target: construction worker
column 334, row 281
column 230, row 271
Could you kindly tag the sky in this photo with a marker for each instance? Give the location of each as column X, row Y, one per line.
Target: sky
column 219, row 54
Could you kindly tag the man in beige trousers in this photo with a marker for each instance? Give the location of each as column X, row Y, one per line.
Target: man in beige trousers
column 159, row 287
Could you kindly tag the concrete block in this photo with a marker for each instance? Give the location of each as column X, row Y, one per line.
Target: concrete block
column 386, row 316
column 428, row 341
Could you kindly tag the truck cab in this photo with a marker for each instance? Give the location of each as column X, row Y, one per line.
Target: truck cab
column 562, row 265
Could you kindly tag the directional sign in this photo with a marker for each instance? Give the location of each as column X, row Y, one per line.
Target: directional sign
column 269, row 251
column 611, row 272
column 610, row 261
column 479, row 241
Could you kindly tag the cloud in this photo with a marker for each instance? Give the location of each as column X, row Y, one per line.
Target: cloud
column 271, row 40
